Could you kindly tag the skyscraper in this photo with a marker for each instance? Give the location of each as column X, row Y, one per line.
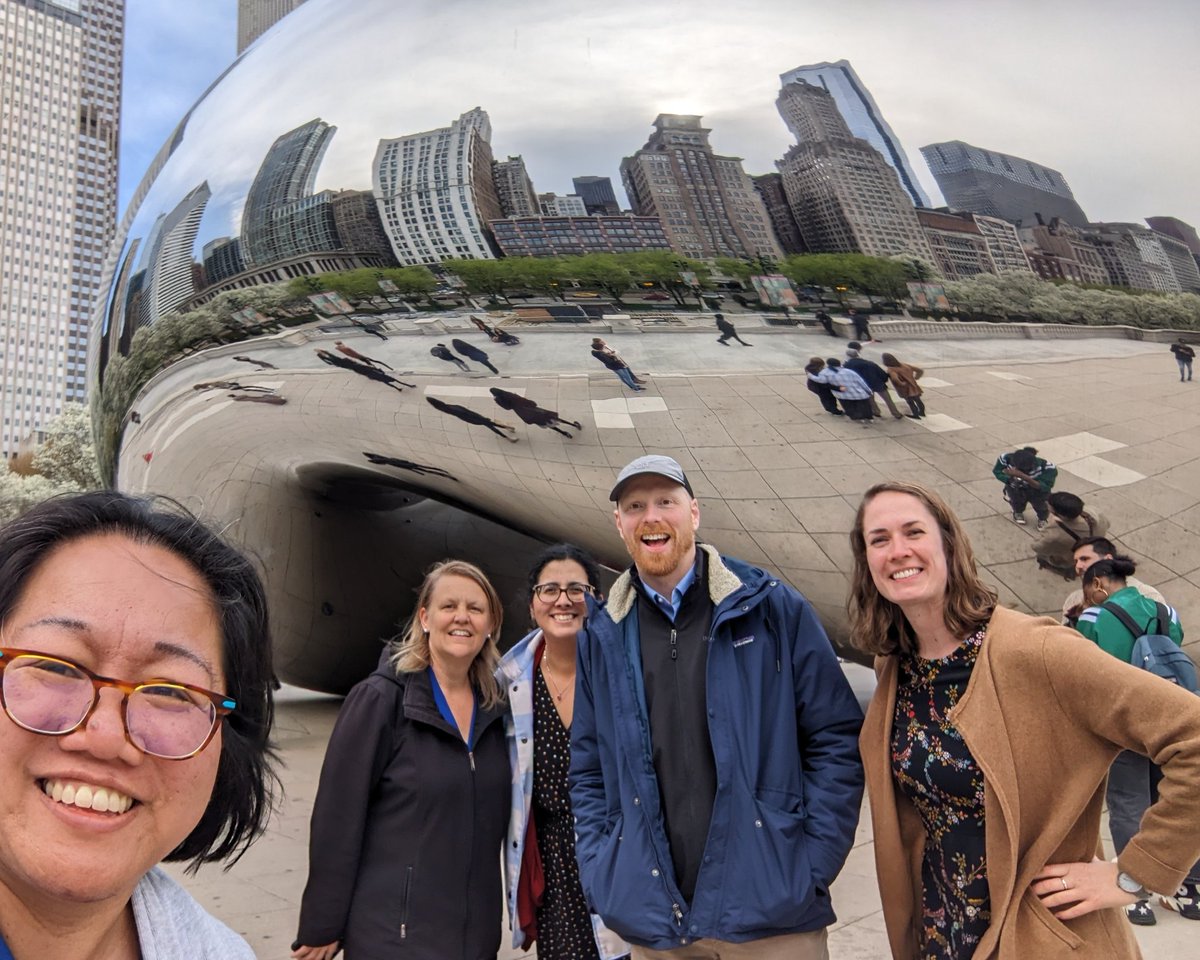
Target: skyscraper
column 282, row 217
column 862, row 115
column 514, row 188
column 256, row 17
column 707, row 204
column 783, row 221
column 58, row 197
column 169, row 281
column 598, row 195
column 436, row 194
column 844, row 195
column 1179, row 230
column 1000, row 185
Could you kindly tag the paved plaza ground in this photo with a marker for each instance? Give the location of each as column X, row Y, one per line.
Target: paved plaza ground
column 778, row 480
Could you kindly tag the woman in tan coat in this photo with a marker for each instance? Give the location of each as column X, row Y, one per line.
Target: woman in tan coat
column 904, row 377
column 986, row 748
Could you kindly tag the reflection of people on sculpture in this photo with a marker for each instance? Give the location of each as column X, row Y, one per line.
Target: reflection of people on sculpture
column 257, row 363
column 467, row 415
column 374, row 329
column 473, row 353
column 495, row 334
column 413, row 802
column 231, row 385
column 272, row 398
column 442, row 352
column 611, row 359
column 531, row 413
column 104, row 778
column 363, row 370
column 384, row 461
column 355, row 355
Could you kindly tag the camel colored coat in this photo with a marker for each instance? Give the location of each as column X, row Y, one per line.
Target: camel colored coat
column 904, row 378
column 1044, row 714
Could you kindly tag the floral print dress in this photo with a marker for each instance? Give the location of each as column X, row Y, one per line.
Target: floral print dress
column 935, row 771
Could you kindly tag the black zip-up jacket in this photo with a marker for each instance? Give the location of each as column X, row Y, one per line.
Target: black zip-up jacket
column 407, row 828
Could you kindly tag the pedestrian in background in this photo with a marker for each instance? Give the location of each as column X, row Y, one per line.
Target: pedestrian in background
column 1119, row 609
column 849, row 388
column 823, row 390
column 826, row 322
column 874, row 376
column 904, row 377
column 862, row 330
column 612, row 360
column 1027, row 479
column 1184, row 355
column 442, row 352
column 728, row 331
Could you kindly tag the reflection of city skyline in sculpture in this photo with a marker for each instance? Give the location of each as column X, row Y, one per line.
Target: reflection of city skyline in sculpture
column 863, row 117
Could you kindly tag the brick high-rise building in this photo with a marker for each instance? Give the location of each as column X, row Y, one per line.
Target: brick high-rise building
column 1059, row 251
column 861, row 114
column 959, row 247
column 256, row 17
column 514, row 189
column 842, row 192
column 783, row 222
column 356, row 217
column 707, row 204
column 1001, row 185
column 59, row 131
column 436, row 194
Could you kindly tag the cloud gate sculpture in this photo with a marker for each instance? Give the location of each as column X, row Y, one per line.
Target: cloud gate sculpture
column 349, row 450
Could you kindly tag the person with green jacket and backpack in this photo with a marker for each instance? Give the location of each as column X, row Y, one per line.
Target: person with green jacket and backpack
column 1133, row 779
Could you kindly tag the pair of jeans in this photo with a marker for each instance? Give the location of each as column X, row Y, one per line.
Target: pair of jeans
column 812, row 945
column 626, row 376
column 916, row 405
column 1019, row 494
column 1185, row 365
column 1132, row 787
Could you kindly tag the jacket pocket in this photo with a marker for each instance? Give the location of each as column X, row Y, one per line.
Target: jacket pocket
column 1044, row 922
column 404, row 902
column 778, row 892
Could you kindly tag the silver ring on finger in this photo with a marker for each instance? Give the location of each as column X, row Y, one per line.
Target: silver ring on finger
column 1063, row 881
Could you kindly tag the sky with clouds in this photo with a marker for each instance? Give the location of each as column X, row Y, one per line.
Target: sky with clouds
column 1102, row 90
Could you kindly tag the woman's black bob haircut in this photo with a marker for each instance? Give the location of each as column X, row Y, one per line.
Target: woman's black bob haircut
column 564, row 551
column 244, row 792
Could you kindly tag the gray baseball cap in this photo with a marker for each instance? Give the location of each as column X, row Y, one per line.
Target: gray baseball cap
column 651, row 463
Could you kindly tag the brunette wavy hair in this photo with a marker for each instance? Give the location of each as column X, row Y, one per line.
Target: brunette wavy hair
column 878, row 626
column 410, row 651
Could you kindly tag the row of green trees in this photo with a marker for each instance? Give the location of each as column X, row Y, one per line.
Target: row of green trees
column 1024, row 296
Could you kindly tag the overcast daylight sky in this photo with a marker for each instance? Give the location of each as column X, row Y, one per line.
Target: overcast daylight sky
column 1103, row 90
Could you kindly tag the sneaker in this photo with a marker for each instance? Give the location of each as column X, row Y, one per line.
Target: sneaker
column 1185, row 902
column 1140, row 914
column 1019, row 518
column 1041, row 525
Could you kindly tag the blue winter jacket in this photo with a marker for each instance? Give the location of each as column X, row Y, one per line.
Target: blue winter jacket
column 783, row 725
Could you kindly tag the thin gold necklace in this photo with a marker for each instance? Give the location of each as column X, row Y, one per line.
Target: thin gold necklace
column 559, row 692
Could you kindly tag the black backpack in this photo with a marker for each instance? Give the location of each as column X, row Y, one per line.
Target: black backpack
column 1154, row 650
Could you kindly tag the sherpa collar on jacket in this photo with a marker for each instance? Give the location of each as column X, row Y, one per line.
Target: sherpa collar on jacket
column 722, row 582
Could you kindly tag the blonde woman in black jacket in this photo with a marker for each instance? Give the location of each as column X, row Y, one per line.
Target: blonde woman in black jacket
column 413, row 802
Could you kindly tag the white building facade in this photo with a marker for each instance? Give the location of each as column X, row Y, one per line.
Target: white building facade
column 436, row 194
column 59, row 124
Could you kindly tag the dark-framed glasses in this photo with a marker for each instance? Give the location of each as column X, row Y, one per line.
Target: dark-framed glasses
column 54, row 696
column 549, row 592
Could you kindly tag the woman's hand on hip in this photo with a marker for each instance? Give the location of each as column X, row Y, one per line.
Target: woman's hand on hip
column 325, row 952
column 1071, row 890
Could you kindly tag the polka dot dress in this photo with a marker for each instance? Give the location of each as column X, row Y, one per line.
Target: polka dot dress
column 564, row 927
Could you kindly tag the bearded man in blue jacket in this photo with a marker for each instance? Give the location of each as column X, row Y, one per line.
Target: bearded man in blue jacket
column 715, row 775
